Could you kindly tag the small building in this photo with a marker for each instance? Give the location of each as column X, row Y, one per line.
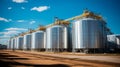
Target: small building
column 113, row 41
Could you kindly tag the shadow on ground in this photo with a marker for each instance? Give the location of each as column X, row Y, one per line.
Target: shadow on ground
column 6, row 61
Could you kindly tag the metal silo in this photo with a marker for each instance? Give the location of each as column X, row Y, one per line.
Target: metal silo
column 9, row 44
column 38, row 42
column 48, row 39
column 20, row 42
column 27, row 42
column 57, row 38
column 16, row 43
column 88, row 33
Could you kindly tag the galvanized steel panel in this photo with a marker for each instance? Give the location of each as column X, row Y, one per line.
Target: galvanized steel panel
column 27, row 42
column 57, row 37
column 88, row 33
column 38, row 40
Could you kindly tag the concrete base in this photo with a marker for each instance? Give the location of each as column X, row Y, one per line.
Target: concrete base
column 56, row 50
column 40, row 50
column 96, row 50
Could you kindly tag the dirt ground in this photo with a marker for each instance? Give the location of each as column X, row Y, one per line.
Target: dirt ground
column 20, row 59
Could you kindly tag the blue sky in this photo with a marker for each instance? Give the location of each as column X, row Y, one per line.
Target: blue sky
column 19, row 15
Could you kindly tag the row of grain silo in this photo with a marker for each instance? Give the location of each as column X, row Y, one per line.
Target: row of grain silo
column 87, row 33
column 54, row 38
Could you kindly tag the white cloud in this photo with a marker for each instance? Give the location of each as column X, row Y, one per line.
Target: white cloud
column 32, row 22
column 1, row 32
column 11, row 32
column 8, row 32
column 9, row 8
column 4, row 19
column 22, row 7
column 40, row 8
column 16, row 29
column 20, row 1
column 5, row 36
column 20, row 20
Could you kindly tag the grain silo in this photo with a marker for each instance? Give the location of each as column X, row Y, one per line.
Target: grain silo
column 57, row 37
column 27, row 41
column 20, row 42
column 88, row 33
column 16, row 43
column 9, row 44
column 38, row 40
